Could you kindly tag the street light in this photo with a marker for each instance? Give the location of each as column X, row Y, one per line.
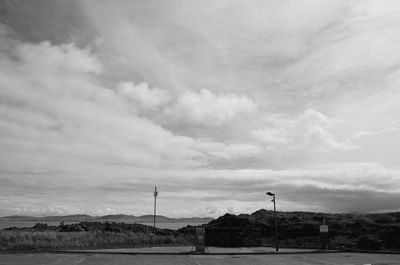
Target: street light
column 154, row 216
column 276, row 224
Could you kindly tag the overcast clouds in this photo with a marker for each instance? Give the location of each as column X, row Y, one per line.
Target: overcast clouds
column 214, row 103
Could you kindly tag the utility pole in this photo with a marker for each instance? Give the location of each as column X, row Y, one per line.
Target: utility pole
column 155, row 211
column 275, row 222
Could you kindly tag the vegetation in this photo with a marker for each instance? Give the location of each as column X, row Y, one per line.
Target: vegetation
column 368, row 243
column 301, row 229
column 86, row 235
column 296, row 229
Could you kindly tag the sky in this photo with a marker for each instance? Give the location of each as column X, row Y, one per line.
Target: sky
column 216, row 103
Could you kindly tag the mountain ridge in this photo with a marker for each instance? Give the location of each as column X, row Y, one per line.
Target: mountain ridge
column 113, row 217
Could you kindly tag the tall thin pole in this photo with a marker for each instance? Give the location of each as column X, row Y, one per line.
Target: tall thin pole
column 155, row 210
column 275, row 221
column 276, row 226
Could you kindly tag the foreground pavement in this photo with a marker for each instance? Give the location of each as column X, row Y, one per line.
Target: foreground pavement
column 189, row 249
column 143, row 259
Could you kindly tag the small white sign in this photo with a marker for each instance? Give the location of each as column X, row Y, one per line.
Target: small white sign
column 200, row 230
column 323, row 229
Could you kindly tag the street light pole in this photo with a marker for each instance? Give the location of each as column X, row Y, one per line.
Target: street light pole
column 275, row 222
column 155, row 209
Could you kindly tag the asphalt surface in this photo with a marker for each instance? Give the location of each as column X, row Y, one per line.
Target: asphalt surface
column 287, row 259
column 188, row 249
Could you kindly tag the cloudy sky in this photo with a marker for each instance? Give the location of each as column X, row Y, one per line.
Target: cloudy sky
column 214, row 103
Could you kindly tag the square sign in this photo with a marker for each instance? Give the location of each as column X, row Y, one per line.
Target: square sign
column 323, row 229
column 200, row 230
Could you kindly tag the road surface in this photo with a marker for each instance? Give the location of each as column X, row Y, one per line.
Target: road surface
column 286, row 259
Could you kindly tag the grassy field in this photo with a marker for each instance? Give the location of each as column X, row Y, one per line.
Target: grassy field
column 29, row 240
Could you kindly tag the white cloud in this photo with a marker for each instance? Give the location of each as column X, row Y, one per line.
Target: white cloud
column 363, row 134
column 142, row 95
column 74, row 60
column 309, row 129
column 54, row 110
column 319, row 140
column 271, row 135
column 315, row 117
column 228, row 151
column 209, row 109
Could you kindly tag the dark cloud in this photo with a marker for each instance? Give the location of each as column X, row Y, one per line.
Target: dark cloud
column 57, row 21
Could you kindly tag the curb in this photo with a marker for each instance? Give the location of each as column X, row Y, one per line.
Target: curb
column 170, row 253
column 193, row 253
column 371, row 251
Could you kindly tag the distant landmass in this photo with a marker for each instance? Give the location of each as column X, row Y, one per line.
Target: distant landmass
column 111, row 218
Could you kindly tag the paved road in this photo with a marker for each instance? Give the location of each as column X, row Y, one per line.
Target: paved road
column 287, row 259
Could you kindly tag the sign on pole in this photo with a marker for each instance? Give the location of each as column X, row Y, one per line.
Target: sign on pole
column 200, row 242
column 323, row 229
column 324, row 236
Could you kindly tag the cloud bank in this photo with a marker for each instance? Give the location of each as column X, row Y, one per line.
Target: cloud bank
column 214, row 104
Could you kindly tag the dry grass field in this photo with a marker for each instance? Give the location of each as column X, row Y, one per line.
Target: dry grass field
column 28, row 240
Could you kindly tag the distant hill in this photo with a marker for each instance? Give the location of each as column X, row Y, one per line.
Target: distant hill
column 18, row 218
column 115, row 217
column 111, row 218
column 67, row 218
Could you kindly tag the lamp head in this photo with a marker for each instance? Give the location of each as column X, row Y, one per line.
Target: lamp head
column 270, row 193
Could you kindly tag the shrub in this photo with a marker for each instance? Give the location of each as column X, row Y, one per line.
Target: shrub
column 390, row 237
column 367, row 242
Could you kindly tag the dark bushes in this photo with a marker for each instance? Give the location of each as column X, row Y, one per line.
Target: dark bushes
column 390, row 237
column 368, row 242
